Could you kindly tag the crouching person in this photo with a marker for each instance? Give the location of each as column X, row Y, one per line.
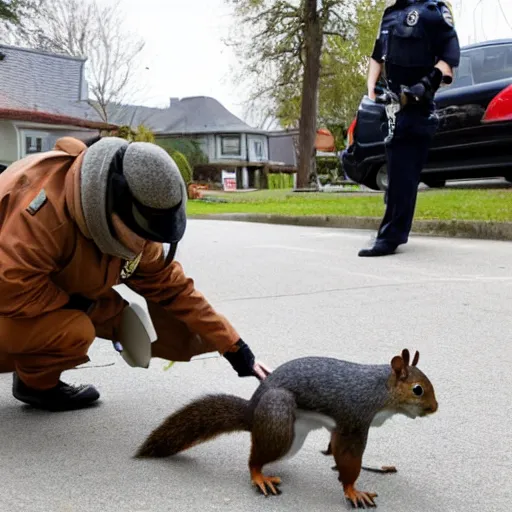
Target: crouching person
column 75, row 222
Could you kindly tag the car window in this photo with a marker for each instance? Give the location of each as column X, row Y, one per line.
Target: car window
column 463, row 75
column 481, row 65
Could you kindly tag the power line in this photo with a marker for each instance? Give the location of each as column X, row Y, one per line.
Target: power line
column 474, row 18
column 504, row 15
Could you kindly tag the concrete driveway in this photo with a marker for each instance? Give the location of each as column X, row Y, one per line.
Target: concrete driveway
column 293, row 292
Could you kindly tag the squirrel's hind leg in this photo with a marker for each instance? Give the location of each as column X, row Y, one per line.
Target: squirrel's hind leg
column 348, row 455
column 272, row 436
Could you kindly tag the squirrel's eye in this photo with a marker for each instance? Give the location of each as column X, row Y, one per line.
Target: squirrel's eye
column 417, row 390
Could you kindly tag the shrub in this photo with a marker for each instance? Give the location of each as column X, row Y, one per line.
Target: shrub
column 280, row 181
column 190, row 148
column 183, row 165
column 142, row 134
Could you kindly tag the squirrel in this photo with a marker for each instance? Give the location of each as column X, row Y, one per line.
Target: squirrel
column 299, row 396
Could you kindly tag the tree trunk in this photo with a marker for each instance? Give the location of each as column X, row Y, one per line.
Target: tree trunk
column 313, row 36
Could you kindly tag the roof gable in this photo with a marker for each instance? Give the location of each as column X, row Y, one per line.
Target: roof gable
column 38, row 81
column 193, row 115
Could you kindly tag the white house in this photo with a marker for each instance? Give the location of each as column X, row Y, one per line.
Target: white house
column 228, row 142
column 43, row 97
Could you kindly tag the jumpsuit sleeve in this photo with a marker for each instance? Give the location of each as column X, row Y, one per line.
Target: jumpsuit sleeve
column 29, row 252
column 166, row 284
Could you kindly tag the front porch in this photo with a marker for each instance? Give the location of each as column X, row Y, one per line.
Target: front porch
column 251, row 175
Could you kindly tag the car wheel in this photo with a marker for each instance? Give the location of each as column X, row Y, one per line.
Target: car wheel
column 381, row 178
column 435, row 183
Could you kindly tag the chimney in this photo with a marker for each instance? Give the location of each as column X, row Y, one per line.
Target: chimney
column 173, row 102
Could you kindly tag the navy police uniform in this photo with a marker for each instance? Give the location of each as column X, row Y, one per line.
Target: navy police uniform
column 413, row 36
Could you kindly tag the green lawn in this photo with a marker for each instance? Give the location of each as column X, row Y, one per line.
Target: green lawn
column 444, row 204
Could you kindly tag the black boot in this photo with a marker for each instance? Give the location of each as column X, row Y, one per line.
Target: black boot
column 63, row 397
column 380, row 248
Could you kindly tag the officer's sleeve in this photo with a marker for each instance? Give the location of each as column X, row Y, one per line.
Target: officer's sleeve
column 448, row 48
column 378, row 49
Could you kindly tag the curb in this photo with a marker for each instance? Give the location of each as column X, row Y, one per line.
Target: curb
column 483, row 230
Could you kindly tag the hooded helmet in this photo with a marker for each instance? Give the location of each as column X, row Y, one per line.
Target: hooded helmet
column 138, row 181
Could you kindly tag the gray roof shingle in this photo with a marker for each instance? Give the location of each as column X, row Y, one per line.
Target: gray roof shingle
column 43, row 82
column 38, row 81
column 193, row 115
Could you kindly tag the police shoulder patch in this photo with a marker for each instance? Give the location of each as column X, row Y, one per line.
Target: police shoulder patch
column 447, row 15
column 37, row 203
column 412, row 18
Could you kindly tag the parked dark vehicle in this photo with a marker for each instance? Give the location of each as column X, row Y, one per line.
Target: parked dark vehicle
column 474, row 139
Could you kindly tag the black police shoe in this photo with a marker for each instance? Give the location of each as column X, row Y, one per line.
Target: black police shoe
column 380, row 248
column 62, row 397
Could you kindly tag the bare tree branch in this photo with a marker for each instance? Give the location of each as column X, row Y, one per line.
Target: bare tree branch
column 84, row 28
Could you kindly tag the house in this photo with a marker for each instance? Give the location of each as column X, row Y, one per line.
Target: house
column 229, row 143
column 43, row 97
column 282, row 146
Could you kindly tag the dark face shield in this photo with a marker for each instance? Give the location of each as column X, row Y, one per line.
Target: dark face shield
column 166, row 226
column 157, row 225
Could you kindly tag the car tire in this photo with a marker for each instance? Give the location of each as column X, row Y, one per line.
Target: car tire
column 381, row 177
column 435, row 183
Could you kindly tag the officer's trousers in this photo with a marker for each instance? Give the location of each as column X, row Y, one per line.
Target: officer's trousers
column 406, row 154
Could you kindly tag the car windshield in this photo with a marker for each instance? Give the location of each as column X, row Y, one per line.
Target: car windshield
column 481, row 65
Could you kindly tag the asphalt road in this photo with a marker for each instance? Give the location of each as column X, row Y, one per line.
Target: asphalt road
column 292, row 292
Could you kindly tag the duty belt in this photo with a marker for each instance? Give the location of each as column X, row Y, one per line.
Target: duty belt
column 392, row 105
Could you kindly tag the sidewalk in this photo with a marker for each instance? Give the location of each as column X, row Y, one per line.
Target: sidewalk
column 454, row 228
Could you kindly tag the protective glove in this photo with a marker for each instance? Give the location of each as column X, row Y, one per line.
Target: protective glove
column 423, row 92
column 241, row 358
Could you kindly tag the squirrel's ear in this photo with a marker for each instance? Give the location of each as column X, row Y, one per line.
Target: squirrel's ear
column 416, row 358
column 399, row 367
column 406, row 356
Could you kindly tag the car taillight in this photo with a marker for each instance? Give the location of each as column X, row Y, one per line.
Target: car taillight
column 350, row 133
column 500, row 108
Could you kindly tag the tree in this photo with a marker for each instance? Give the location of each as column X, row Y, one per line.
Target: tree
column 83, row 28
column 142, row 134
column 7, row 12
column 283, row 49
column 345, row 62
column 13, row 12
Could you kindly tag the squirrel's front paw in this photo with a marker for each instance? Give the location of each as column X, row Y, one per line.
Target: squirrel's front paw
column 265, row 483
column 359, row 499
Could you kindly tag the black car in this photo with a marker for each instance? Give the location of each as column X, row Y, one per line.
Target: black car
column 474, row 139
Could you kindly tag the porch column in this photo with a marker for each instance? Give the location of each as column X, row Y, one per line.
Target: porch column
column 245, row 177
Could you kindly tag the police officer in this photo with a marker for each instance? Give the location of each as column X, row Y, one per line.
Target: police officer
column 415, row 52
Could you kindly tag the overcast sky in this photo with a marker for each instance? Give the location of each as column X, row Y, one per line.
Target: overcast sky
column 185, row 55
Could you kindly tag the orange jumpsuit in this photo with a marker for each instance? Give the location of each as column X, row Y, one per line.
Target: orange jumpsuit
column 47, row 255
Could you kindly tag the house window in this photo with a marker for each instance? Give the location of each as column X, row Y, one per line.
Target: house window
column 34, row 141
column 258, row 149
column 33, row 145
column 230, row 145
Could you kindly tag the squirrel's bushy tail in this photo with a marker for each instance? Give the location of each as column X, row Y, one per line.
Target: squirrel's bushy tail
column 196, row 423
